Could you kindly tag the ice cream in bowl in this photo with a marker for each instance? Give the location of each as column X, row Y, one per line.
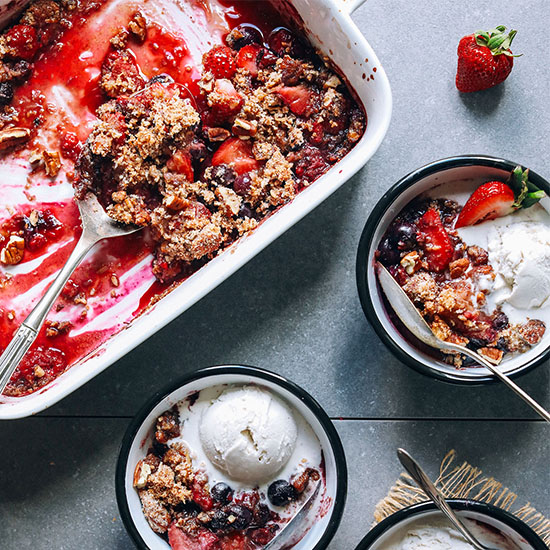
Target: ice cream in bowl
column 468, row 240
column 423, row 527
column 224, row 459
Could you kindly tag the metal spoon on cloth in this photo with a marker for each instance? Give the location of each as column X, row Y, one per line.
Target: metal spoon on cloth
column 413, row 320
column 424, row 482
column 96, row 226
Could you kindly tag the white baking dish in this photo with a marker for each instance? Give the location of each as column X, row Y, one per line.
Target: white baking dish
column 330, row 27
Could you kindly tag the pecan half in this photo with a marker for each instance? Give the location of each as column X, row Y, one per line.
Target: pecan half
column 13, row 136
column 14, row 250
column 217, row 134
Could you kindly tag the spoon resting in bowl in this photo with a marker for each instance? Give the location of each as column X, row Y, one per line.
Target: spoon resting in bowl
column 96, row 226
column 413, row 320
column 425, row 483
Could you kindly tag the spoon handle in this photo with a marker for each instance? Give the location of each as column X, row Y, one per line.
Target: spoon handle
column 424, row 482
column 539, row 409
column 28, row 331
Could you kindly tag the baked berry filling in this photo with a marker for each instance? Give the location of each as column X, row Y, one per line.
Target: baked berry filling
column 449, row 282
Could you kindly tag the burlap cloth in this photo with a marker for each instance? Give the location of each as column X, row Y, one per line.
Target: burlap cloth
column 464, row 481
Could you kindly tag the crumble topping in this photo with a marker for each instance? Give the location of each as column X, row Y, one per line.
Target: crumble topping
column 451, row 296
column 201, row 172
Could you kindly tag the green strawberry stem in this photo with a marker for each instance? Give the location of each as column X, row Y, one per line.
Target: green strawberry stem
column 526, row 193
column 496, row 40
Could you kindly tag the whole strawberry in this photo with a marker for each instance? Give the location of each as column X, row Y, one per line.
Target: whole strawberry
column 484, row 59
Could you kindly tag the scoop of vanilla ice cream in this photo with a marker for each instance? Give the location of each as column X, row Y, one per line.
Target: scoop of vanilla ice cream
column 520, row 256
column 248, row 434
column 438, row 534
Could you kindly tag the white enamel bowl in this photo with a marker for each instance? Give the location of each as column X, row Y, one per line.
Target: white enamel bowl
column 320, row 529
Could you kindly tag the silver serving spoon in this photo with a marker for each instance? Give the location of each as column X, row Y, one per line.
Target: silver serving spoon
column 96, row 226
column 283, row 537
column 424, row 482
column 413, row 320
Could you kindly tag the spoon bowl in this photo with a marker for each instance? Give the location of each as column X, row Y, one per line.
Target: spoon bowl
column 96, row 226
column 413, row 320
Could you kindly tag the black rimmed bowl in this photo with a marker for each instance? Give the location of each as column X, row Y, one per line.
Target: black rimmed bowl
column 137, row 439
column 510, row 526
column 463, row 172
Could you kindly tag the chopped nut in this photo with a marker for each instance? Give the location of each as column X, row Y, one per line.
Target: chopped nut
column 114, row 280
column 204, row 518
column 80, row 298
column 11, row 315
column 332, row 82
column 14, row 251
column 138, row 26
column 459, row 267
column 120, row 39
column 230, row 199
column 119, row 196
column 478, row 255
column 13, row 136
column 218, row 134
column 493, row 355
column 35, row 158
column 175, row 203
column 34, row 216
column 52, row 162
column 481, row 298
column 141, row 473
column 242, row 127
column 39, row 371
column 411, row 262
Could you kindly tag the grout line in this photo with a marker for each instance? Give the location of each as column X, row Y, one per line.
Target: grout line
column 333, row 418
column 432, row 419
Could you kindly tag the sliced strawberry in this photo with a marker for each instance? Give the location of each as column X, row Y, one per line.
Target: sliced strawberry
column 437, row 244
column 298, row 98
column 224, row 100
column 220, row 62
column 179, row 540
column 180, row 162
column 247, row 58
column 492, row 200
column 235, row 541
column 237, row 153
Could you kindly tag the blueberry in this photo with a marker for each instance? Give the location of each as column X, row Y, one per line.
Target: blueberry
column 247, row 212
column 244, row 35
column 500, row 321
column 6, row 93
column 242, row 184
column 388, row 253
column 243, row 516
column 219, row 520
column 476, row 343
column 405, row 236
column 262, row 514
column 281, row 492
column 502, row 345
column 221, row 492
column 222, row 175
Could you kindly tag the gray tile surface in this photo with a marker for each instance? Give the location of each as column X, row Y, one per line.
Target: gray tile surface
column 58, row 493
column 294, row 309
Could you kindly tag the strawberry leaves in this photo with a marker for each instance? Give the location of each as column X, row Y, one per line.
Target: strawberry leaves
column 497, row 40
column 526, row 193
